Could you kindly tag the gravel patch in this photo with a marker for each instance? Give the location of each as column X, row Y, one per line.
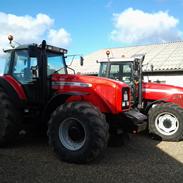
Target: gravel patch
column 140, row 160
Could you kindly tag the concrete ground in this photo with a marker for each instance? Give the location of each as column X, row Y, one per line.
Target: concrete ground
column 140, row 160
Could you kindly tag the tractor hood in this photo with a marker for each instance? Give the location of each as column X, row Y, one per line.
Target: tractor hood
column 84, row 81
column 169, row 93
column 98, row 90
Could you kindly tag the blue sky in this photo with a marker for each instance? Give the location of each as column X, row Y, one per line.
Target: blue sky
column 84, row 26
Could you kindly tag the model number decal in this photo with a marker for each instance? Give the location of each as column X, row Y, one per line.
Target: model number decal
column 162, row 91
column 79, row 84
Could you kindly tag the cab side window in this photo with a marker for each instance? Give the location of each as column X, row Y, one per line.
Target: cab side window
column 115, row 72
column 126, row 73
column 103, row 70
column 22, row 66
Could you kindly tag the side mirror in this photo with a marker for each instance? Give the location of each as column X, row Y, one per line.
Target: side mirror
column 81, row 61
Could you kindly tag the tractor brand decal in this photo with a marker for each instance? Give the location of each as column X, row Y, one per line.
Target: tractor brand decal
column 62, row 83
column 162, row 91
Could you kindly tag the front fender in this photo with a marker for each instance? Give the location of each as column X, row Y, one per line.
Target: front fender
column 151, row 104
column 57, row 100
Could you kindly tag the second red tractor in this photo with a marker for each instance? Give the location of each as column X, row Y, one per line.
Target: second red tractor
column 161, row 103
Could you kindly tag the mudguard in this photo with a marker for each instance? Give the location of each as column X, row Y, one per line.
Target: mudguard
column 58, row 100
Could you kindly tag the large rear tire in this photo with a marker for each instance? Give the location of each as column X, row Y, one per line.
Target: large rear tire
column 166, row 121
column 78, row 132
column 10, row 120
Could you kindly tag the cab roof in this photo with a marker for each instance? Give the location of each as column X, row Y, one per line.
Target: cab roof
column 48, row 47
column 122, row 59
column 20, row 47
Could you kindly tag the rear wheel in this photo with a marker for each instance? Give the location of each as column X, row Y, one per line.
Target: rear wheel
column 78, row 132
column 9, row 120
column 166, row 121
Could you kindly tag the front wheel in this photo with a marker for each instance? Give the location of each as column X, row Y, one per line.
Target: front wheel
column 166, row 121
column 78, row 132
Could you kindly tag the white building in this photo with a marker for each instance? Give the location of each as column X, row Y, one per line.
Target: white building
column 166, row 58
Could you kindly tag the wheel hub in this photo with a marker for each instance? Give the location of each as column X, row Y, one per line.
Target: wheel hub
column 72, row 134
column 76, row 133
column 167, row 123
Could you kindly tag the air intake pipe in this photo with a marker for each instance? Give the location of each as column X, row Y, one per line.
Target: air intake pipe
column 140, row 82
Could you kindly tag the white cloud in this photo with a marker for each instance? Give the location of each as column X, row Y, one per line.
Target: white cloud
column 136, row 26
column 56, row 37
column 29, row 29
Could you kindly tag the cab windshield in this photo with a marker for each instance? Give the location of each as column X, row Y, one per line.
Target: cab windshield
column 117, row 71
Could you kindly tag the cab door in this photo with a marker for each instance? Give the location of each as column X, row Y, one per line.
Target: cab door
column 22, row 72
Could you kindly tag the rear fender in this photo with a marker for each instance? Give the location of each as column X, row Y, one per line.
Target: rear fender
column 10, row 92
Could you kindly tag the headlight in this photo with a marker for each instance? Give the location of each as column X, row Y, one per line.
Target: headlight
column 125, row 98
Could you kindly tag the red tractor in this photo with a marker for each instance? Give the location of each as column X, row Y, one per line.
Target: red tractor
column 79, row 111
column 163, row 104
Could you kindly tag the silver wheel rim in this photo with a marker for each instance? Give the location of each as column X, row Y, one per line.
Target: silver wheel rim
column 72, row 134
column 167, row 123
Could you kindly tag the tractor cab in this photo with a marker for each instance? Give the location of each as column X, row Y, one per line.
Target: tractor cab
column 118, row 69
column 32, row 66
column 122, row 69
column 23, row 61
column 127, row 70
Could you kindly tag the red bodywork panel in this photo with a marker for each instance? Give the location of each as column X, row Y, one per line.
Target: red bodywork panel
column 104, row 93
column 168, row 93
column 16, row 85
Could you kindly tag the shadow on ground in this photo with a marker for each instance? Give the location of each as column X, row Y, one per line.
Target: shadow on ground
column 139, row 160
